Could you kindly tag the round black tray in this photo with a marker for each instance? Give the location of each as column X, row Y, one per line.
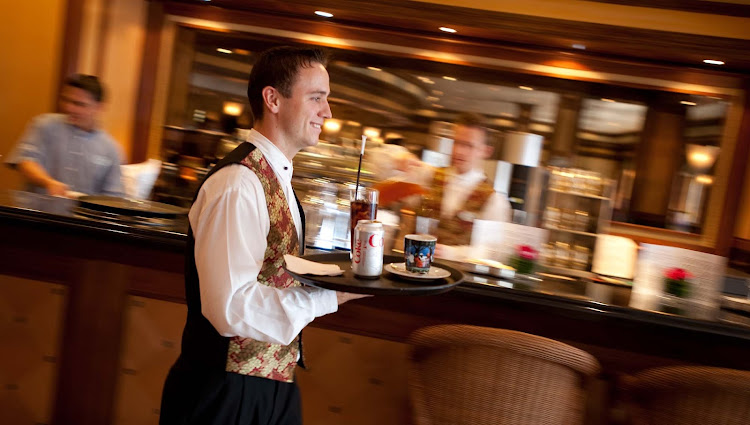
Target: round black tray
column 386, row 284
column 125, row 206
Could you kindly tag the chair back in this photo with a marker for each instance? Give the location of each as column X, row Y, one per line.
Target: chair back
column 686, row 395
column 460, row 374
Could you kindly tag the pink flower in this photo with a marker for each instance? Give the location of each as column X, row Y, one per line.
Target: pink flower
column 526, row 252
column 677, row 274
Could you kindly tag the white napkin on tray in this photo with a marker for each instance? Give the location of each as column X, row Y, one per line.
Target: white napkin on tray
column 302, row 266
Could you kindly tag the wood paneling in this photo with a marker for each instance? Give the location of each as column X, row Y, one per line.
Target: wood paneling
column 455, row 49
column 701, row 6
column 511, row 29
column 71, row 41
column 735, row 188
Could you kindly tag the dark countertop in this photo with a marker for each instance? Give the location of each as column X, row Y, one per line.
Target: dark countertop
column 59, row 214
column 559, row 296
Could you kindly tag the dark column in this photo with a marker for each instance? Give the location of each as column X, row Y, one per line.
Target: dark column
column 566, row 129
column 524, row 117
column 182, row 65
column 658, row 158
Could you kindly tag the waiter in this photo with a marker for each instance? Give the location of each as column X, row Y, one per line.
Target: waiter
column 460, row 194
column 241, row 342
column 66, row 152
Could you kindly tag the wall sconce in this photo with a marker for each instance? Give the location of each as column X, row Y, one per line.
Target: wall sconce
column 701, row 158
column 332, row 126
column 233, row 109
column 371, row 132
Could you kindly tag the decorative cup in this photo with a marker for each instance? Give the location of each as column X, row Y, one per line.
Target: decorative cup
column 419, row 251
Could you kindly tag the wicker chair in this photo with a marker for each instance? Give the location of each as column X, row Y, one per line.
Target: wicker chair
column 473, row 375
column 685, row 395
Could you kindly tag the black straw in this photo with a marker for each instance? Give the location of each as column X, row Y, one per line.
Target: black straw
column 359, row 168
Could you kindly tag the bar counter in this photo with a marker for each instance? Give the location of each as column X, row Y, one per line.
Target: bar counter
column 102, row 263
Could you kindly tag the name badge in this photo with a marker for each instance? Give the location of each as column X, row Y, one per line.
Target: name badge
column 100, row 160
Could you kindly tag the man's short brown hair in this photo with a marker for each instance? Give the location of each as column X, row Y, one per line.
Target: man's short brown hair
column 278, row 68
column 471, row 119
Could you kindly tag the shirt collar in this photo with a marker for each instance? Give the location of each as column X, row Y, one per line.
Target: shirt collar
column 472, row 176
column 280, row 164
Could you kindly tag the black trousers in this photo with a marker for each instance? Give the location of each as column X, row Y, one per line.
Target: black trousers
column 228, row 399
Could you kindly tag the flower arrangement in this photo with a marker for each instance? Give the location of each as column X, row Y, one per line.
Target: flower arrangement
column 524, row 259
column 676, row 282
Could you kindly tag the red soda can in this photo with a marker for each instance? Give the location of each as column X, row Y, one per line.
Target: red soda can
column 367, row 250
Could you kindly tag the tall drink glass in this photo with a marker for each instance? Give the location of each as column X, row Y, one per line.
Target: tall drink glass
column 363, row 206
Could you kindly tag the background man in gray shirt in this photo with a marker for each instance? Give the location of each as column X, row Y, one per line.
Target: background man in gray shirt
column 68, row 152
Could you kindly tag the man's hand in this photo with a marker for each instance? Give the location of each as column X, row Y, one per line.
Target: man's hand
column 56, row 188
column 37, row 175
column 343, row 297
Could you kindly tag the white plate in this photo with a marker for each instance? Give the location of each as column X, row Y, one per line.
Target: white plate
column 400, row 269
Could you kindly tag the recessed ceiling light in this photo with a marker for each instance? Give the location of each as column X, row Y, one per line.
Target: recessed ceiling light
column 374, row 68
column 445, row 77
column 604, row 99
column 223, row 50
column 579, row 46
column 437, row 92
column 688, row 103
column 432, row 98
column 438, row 106
column 324, row 14
column 447, row 29
column 713, row 62
column 525, row 88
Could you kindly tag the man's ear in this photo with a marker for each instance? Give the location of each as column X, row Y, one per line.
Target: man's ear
column 271, row 98
column 488, row 150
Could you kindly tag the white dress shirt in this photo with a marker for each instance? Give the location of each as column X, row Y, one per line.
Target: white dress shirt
column 230, row 224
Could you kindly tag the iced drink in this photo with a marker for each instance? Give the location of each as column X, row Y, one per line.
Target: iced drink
column 364, row 206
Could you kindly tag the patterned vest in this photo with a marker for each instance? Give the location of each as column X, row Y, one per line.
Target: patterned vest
column 455, row 230
column 247, row 356
column 204, row 350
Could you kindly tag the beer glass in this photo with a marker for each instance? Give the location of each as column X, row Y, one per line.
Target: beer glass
column 363, row 206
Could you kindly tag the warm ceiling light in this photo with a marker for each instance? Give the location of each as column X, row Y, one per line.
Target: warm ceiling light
column 438, row 106
column 713, row 62
column 446, row 29
column 324, row 14
column 437, row 92
column 579, row 46
column 374, row 68
column 445, row 77
column 432, row 98
column 604, row 99
column 525, row 88
column 688, row 103
column 223, row 50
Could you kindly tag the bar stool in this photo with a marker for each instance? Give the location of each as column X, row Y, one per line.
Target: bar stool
column 460, row 374
column 684, row 395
